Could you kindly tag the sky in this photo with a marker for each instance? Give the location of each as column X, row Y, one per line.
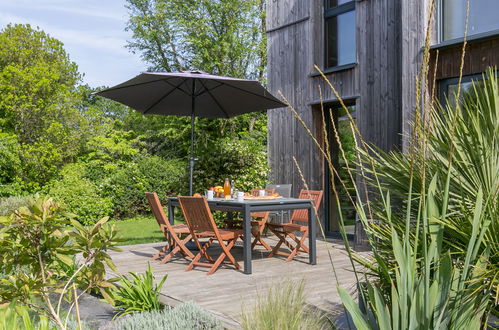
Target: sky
column 93, row 33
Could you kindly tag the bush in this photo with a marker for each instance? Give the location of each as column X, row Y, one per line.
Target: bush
column 243, row 161
column 80, row 195
column 283, row 307
column 10, row 204
column 126, row 186
column 186, row 316
column 138, row 294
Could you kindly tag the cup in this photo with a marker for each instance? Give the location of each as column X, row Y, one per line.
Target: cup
column 240, row 196
column 209, row 194
column 261, row 192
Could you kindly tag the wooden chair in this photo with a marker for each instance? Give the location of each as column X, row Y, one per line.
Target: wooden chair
column 172, row 233
column 258, row 225
column 298, row 223
column 201, row 224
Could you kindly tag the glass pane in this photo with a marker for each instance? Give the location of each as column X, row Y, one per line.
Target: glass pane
column 452, row 92
column 334, row 3
column 340, row 39
column 483, row 17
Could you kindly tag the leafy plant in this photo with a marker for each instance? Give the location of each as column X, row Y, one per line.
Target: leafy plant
column 137, row 294
column 185, row 316
column 36, row 241
column 283, row 307
column 463, row 147
column 79, row 195
column 17, row 317
column 9, row 204
column 436, row 290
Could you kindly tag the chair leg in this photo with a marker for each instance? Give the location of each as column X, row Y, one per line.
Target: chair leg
column 258, row 240
column 300, row 244
column 202, row 252
column 276, row 248
column 225, row 254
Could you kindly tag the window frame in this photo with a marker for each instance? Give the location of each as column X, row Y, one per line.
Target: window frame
column 330, row 13
column 443, row 85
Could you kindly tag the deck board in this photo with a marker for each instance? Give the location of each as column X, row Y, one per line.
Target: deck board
column 229, row 292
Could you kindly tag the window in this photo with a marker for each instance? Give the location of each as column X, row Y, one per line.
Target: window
column 449, row 87
column 339, row 18
column 483, row 17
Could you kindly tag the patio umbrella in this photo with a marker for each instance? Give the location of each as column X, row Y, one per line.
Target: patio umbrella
column 194, row 94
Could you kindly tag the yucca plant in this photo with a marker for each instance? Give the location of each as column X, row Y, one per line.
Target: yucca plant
column 139, row 293
column 432, row 289
column 463, row 147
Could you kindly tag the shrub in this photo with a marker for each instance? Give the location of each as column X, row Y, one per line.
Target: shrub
column 36, row 241
column 138, row 294
column 243, row 161
column 186, row 316
column 283, row 307
column 126, row 186
column 80, row 195
column 10, row 204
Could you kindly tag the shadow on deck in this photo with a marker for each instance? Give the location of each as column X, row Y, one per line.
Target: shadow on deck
column 229, row 292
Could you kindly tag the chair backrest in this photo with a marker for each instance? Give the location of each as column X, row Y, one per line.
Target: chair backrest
column 302, row 215
column 255, row 192
column 282, row 189
column 197, row 214
column 263, row 215
column 158, row 212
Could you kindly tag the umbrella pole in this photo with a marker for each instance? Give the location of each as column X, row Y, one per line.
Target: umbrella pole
column 191, row 158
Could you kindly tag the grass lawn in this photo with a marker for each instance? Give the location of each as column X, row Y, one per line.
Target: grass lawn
column 137, row 230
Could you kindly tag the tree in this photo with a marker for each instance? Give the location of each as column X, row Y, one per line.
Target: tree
column 224, row 37
column 38, row 97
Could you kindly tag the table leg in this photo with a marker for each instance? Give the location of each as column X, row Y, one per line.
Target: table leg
column 171, row 210
column 311, row 236
column 247, row 240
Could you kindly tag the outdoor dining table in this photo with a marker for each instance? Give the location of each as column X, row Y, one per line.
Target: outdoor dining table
column 246, row 207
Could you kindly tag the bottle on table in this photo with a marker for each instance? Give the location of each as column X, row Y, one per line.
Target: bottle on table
column 227, row 188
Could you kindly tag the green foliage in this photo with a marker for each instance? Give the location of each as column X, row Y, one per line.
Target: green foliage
column 223, row 37
column 37, row 246
column 188, row 316
column 80, row 195
column 434, row 291
column 37, row 105
column 137, row 294
column 243, row 161
column 463, row 148
column 18, row 317
column 9, row 164
column 9, row 204
column 283, row 307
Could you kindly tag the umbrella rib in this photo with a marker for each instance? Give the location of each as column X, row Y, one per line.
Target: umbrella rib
column 214, row 99
column 178, row 86
column 163, row 97
column 246, row 91
column 209, row 89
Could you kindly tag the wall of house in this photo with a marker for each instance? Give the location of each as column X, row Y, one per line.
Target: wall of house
column 389, row 43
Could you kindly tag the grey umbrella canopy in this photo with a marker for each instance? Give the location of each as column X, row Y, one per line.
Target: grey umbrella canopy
column 194, row 94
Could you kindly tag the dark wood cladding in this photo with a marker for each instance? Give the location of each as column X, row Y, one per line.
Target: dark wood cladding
column 389, row 38
column 479, row 55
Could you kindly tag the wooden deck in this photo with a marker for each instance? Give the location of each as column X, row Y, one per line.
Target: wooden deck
column 228, row 292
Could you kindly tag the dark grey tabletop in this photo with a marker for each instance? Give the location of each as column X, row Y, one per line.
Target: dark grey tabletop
column 232, row 201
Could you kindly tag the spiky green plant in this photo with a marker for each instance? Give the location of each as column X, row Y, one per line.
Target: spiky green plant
column 139, row 293
column 463, row 147
column 283, row 307
column 432, row 289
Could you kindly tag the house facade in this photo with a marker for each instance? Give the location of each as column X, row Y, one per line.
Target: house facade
column 371, row 52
